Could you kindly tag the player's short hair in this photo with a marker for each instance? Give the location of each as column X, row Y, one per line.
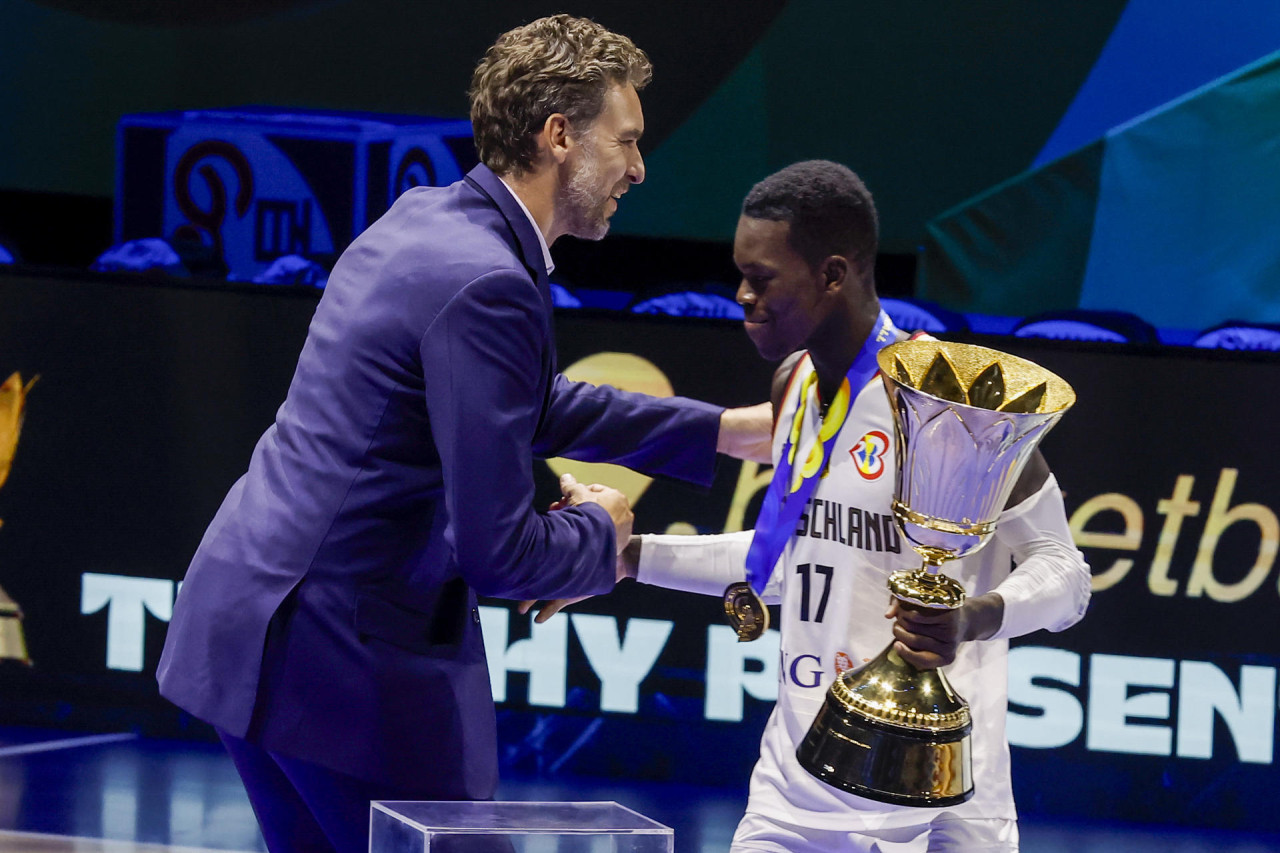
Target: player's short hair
column 557, row 64
column 829, row 208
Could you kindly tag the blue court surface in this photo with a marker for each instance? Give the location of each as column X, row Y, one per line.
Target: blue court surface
column 121, row 793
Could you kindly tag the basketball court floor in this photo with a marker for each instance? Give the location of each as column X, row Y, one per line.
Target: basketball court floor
column 120, row 793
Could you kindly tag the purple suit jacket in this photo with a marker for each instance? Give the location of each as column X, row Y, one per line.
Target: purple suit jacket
column 330, row 611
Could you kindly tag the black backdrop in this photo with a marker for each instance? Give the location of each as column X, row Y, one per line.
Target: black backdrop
column 1160, row 705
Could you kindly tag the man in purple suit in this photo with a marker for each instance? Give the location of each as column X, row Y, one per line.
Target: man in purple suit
column 327, row 627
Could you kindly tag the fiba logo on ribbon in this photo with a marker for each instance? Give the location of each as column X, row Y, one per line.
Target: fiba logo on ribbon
column 868, row 454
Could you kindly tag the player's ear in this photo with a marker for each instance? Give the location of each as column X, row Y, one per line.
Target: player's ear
column 835, row 271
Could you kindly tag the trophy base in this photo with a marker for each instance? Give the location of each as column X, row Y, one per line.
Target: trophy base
column 925, row 763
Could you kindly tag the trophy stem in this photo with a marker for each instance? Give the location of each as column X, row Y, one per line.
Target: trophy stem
column 927, row 587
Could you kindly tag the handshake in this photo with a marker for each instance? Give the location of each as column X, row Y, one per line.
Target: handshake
column 745, row 433
column 614, row 502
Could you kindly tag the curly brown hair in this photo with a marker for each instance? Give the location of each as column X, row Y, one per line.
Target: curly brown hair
column 557, row 64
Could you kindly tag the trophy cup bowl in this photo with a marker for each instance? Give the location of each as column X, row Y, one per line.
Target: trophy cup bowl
column 966, row 420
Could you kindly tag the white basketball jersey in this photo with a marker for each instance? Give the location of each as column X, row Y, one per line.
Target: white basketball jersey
column 833, row 576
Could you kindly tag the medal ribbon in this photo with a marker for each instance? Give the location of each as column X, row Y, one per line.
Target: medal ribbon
column 791, row 486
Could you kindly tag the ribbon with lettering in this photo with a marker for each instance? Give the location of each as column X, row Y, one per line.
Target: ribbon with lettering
column 790, row 488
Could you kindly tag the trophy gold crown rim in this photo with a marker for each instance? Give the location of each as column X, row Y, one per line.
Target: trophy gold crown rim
column 969, row 361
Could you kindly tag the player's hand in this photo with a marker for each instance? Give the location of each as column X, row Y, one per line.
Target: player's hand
column 925, row 637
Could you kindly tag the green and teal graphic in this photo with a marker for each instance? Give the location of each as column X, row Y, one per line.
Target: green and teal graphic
column 1171, row 216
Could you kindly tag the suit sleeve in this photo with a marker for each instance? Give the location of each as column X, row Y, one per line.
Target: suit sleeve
column 667, row 436
column 482, row 358
column 1050, row 586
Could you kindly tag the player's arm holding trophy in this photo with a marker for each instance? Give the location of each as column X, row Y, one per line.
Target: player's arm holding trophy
column 1049, row 590
column 967, row 471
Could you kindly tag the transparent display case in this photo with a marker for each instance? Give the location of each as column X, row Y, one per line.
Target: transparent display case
column 513, row 827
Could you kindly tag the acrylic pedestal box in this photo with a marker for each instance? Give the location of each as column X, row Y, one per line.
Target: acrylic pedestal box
column 513, row 827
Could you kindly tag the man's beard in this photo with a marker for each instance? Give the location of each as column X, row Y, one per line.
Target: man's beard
column 584, row 200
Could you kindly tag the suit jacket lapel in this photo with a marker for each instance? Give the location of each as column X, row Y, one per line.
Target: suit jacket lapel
column 530, row 250
column 483, row 179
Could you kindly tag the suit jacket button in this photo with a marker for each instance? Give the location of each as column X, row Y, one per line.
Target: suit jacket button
column 475, row 615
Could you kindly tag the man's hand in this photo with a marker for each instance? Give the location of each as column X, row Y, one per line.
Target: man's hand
column 747, row 433
column 550, row 608
column 614, row 502
column 574, row 493
column 928, row 638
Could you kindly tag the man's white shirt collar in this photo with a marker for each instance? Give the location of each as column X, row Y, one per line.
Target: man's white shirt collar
column 542, row 241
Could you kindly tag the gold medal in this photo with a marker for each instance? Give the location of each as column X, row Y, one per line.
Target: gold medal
column 745, row 611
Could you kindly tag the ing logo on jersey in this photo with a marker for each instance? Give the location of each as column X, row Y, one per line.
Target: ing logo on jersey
column 843, row 663
column 868, row 454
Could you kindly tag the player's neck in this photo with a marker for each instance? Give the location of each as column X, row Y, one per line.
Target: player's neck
column 834, row 349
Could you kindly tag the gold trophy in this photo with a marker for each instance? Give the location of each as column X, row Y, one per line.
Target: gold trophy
column 13, row 397
column 966, row 420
